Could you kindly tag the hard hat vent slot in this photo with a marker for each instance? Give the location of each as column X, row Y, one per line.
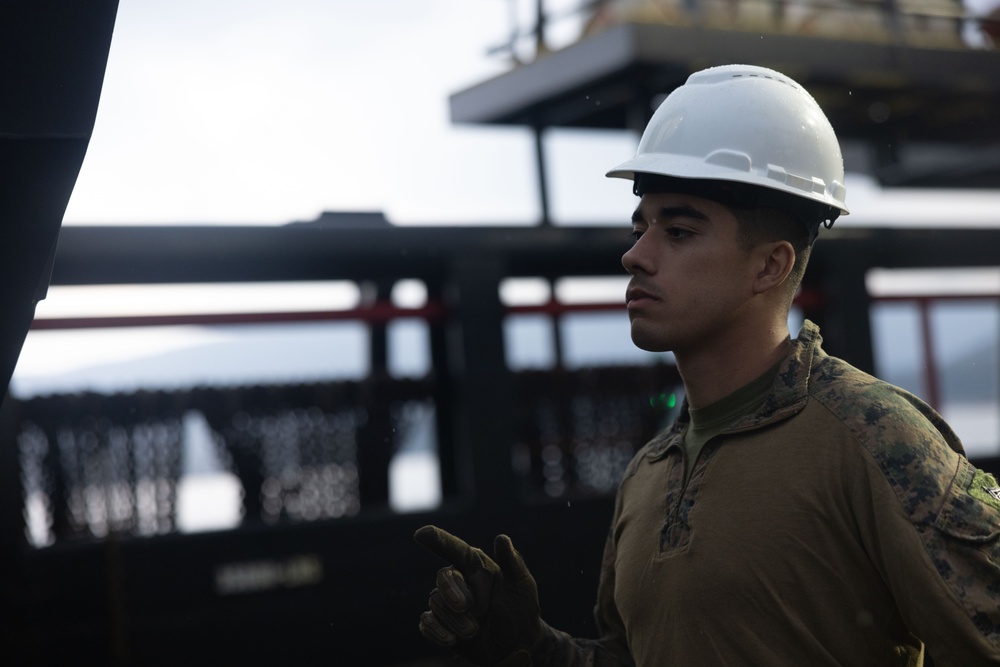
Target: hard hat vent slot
column 791, row 180
column 730, row 160
column 754, row 75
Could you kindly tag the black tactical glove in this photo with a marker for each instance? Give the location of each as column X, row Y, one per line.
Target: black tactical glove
column 485, row 610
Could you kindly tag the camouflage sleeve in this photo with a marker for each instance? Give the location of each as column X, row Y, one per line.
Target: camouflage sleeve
column 929, row 520
column 936, row 538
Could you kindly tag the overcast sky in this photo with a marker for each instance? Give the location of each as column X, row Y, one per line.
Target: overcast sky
column 259, row 111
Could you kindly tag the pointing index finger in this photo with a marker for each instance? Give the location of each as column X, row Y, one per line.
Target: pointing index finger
column 453, row 549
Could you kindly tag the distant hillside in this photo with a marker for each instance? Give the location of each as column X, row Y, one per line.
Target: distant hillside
column 266, row 355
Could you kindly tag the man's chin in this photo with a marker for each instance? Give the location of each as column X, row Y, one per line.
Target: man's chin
column 650, row 343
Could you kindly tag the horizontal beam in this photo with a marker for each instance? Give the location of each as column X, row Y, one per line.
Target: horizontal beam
column 115, row 255
column 161, row 254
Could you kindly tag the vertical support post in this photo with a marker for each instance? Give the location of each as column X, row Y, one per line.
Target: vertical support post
column 557, row 333
column 539, row 27
column 379, row 350
column 930, row 368
column 848, row 322
column 376, row 442
column 484, row 405
column 445, row 395
column 543, row 184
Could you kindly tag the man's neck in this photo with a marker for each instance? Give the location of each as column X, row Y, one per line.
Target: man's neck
column 713, row 372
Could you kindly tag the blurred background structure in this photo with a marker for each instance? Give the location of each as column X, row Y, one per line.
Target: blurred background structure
column 219, row 439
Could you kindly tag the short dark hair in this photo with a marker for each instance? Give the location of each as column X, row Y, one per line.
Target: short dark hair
column 764, row 225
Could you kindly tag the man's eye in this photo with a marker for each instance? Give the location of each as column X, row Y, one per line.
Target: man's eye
column 678, row 233
column 636, row 234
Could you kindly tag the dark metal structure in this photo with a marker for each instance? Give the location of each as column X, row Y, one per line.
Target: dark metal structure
column 163, row 598
column 52, row 60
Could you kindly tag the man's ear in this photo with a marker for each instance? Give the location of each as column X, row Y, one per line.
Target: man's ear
column 777, row 259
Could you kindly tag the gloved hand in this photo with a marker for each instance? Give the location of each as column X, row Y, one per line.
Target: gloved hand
column 485, row 610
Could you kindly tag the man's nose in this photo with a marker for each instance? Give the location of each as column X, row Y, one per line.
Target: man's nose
column 636, row 258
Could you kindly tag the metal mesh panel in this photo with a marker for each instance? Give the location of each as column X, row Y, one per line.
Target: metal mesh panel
column 604, row 428
column 97, row 465
column 91, row 476
column 94, row 465
column 306, row 462
column 580, row 428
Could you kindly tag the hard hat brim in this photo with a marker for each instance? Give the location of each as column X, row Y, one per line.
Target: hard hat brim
column 695, row 168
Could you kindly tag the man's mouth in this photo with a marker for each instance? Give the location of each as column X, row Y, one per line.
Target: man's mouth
column 637, row 294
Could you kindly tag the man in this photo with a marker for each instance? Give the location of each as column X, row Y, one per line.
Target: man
column 798, row 512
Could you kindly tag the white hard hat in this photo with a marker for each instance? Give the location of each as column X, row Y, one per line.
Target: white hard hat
column 744, row 124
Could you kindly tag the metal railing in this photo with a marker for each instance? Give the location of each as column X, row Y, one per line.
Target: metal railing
column 931, row 22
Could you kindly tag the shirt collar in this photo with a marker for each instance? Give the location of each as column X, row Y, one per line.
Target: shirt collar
column 788, row 395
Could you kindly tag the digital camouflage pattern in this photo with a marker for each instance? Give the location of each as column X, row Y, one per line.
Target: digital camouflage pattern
column 946, row 498
column 886, row 505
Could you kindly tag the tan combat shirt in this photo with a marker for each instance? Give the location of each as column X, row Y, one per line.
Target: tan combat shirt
column 822, row 530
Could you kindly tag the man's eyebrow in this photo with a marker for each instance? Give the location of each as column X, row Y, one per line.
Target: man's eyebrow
column 668, row 212
column 683, row 211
